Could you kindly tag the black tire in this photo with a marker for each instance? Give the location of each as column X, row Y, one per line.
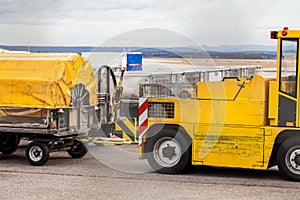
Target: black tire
column 9, row 144
column 78, row 150
column 168, row 152
column 37, row 153
column 288, row 159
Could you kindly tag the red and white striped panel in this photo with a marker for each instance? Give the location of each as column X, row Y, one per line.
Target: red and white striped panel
column 143, row 118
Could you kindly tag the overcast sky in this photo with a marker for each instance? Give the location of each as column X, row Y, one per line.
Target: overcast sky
column 91, row 22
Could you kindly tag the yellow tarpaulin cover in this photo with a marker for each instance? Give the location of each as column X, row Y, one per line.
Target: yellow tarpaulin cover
column 44, row 80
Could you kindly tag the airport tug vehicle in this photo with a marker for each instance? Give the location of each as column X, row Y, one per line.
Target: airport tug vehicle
column 251, row 123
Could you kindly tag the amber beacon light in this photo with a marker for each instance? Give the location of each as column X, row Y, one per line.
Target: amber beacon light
column 285, row 31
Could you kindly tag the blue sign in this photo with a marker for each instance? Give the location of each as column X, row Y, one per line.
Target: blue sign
column 134, row 62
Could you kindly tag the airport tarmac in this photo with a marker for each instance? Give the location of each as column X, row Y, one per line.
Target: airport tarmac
column 88, row 178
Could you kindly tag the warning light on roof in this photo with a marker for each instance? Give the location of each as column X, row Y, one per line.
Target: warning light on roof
column 285, row 31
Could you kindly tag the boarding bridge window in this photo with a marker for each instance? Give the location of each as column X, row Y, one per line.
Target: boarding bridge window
column 288, row 66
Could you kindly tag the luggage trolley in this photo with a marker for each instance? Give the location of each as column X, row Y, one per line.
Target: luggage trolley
column 48, row 99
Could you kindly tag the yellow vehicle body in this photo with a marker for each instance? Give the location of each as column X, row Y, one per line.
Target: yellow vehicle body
column 229, row 128
column 237, row 122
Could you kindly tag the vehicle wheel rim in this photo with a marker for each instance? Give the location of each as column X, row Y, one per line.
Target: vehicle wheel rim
column 35, row 153
column 293, row 160
column 167, row 152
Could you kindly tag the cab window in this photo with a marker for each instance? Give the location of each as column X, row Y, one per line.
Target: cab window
column 288, row 66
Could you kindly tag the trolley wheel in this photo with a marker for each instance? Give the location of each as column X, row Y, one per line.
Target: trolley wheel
column 78, row 150
column 37, row 153
column 10, row 143
column 288, row 159
column 169, row 152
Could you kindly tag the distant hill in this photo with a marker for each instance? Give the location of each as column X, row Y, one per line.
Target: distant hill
column 225, row 51
column 240, row 48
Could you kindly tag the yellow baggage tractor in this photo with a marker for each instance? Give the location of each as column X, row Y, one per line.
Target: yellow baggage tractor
column 249, row 123
column 47, row 98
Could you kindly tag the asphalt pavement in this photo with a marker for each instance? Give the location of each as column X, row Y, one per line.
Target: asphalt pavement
column 115, row 172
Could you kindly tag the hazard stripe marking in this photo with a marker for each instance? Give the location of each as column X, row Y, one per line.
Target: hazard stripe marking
column 143, row 127
column 143, row 118
column 130, row 124
column 143, row 106
column 126, row 129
